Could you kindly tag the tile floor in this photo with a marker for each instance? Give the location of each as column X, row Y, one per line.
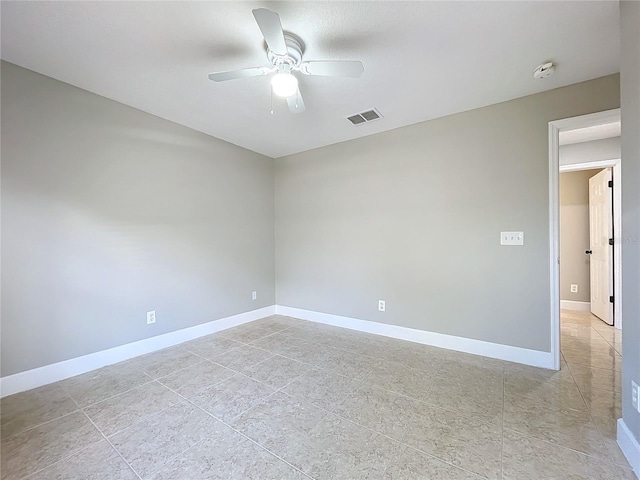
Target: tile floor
column 286, row 399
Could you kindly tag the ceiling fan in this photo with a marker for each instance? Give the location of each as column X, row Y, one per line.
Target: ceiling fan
column 284, row 52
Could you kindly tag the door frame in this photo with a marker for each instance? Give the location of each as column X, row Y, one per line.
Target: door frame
column 555, row 127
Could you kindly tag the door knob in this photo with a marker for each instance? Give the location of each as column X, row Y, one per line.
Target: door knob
column 588, row 252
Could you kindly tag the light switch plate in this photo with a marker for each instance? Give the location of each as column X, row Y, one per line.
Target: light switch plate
column 511, row 238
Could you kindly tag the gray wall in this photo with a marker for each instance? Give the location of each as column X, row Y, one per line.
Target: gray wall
column 594, row 151
column 630, row 110
column 574, row 234
column 108, row 212
column 413, row 216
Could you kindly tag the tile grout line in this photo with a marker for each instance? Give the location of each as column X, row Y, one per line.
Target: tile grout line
column 65, row 457
column 76, row 452
column 237, row 431
column 114, row 447
column 399, row 442
column 140, row 419
column 596, row 459
column 42, row 424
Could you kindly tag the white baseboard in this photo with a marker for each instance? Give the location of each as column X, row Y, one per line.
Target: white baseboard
column 572, row 305
column 478, row 347
column 38, row 377
column 629, row 446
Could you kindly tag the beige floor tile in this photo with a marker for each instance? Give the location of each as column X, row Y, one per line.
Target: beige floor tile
column 277, row 371
column 550, row 391
column 585, row 369
column 101, row 384
column 607, row 426
column 295, row 349
column 488, row 413
column 163, row 362
column 337, row 449
column 461, row 359
column 32, row 450
column 278, row 421
column 191, row 380
column 230, row 457
column 380, row 410
column 211, row 346
column 247, row 333
column 569, row 428
column 26, row 410
column 555, row 395
column 610, row 361
column 283, row 321
column 242, row 358
column 148, row 444
column 616, row 455
column 401, row 379
column 481, row 397
column 421, row 357
column 593, row 344
column 97, row 462
column 604, row 403
column 415, row 465
column 201, row 459
column 119, row 412
column 439, row 413
column 321, row 388
column 457, row 439
column 536, row 375
column 280, row 343
column 527, row 458
column 599, row 379
column 229, row 398
column 345, row 363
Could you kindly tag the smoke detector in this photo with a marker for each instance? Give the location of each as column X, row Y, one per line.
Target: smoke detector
column 545, row 70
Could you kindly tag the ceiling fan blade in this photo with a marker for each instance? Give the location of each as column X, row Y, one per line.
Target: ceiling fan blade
column 246, row 72
column 271, row 28
column 338, row 68
column 295, row 102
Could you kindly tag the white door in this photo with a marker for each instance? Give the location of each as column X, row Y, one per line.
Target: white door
column 600, row 231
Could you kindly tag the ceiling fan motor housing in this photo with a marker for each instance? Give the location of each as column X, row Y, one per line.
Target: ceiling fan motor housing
column 295, row 48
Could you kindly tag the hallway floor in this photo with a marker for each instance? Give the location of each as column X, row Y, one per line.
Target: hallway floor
column 281, row 398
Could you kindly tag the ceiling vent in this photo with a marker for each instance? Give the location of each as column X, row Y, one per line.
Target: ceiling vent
column 364, row 117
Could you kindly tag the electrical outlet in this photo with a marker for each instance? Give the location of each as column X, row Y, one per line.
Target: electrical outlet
column 254, row 295
column 382, row 306
column 574, row 288
column 151, row 317
column 635, row 396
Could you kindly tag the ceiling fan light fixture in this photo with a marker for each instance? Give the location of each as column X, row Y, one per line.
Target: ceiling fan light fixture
column 284, row 84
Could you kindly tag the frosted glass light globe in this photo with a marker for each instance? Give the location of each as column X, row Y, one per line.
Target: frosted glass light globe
column 284, row 84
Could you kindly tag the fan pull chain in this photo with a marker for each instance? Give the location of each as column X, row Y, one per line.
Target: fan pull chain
column 271, row 100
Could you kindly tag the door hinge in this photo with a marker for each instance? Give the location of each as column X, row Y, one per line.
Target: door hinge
column 611, row 183
column 611, row 299
column 611, row 241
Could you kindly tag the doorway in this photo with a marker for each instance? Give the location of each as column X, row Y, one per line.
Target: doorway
column 586, row 234
column 588, row 127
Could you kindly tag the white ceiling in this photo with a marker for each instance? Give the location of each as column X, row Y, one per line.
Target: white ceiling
column 588, row 134
column 422, row 59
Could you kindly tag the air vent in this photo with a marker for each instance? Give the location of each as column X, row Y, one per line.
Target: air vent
column 364, row 117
